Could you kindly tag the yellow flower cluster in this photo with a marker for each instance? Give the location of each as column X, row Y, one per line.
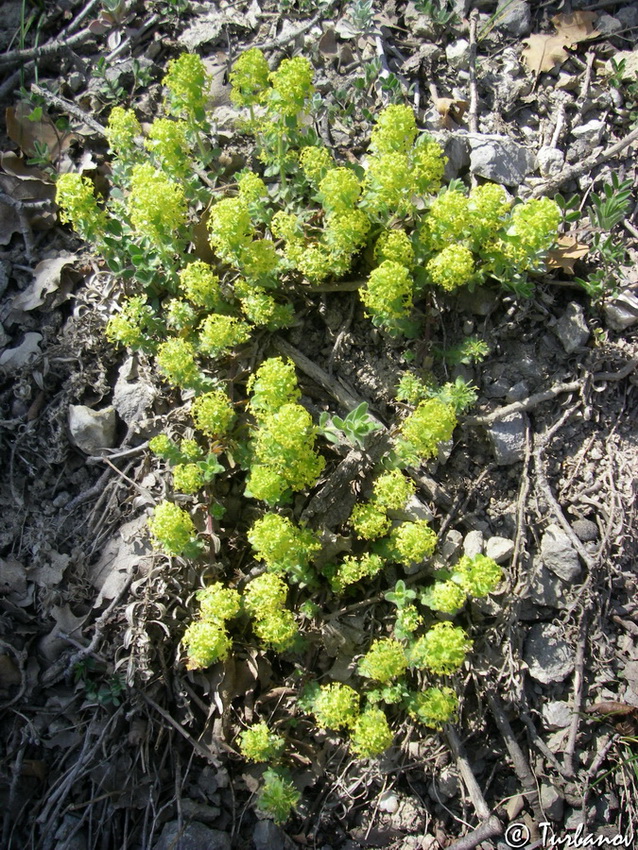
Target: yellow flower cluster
column 122, row 130
column 156, row 205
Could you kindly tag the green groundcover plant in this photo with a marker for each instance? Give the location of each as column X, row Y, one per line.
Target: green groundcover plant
column 205, row 268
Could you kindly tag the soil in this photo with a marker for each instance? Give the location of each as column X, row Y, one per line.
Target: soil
column 107, row 740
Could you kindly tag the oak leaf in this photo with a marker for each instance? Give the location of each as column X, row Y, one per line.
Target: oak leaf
column 545, row 51
column 568, row 249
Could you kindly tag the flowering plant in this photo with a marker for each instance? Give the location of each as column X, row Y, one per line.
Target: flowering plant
column 303, row 221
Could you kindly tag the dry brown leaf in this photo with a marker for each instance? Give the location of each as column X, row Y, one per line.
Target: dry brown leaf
column 568, row 250
column 48, row 277
column 577, row 27
column 22, row 183
column 544, row 52
column 450, row 110
column 25, row 132
column 619, row 709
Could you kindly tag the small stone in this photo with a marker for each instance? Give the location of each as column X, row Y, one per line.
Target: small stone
column 586, row 530
column 622, row 312
column 415, row 509
column 132, row 399
column 514, row 17
column 417, row 23
column 268, row 836
column 92, row 430
column 457, row 153
column 445, row 785
column 628, row 16
column 500, row 549
column 576, row 818
column 557, row 714
column 590, row 131
column 62, row 499
column 559, row 555
column 550, row 161
column 517, row 392
column 192, row 836
column 571, row 329
column 546, row 588
column 76, row 81
column 608, row 24
column 499, row 159
column 389, row 802
column 451, row 545
column 458, row 54
column 508, row 439
column 480, row 302
column 552, row 802
column 473, row 543
column 548, row 656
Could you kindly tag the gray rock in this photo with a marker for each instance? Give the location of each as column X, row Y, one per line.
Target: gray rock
column 76, row 81
column 132, row 399
column 571, row 329
column 268, row 836
column 194, row 836
column 622, row 312
column 517, row 392
column 591, row 131
column 389, row 802
column 458, row 54
column 608, row 24
column 414, row 510
column 628, row 15
column 547, row 655
column 557, row 714
column 451, row 545
column 473, row 543
column 499, row 159
column 585, row 530
column 92, row 430
column 507, row 436
column 546, row 588
column 457, row 151
column 550, row 161
column 480, row 302
column 552, row 802
column 500, row 549
column 417, row 23
column 559, row 555
column 445, row 785
column 514, row 17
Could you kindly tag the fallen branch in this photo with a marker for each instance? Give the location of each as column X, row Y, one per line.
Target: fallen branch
column 285, row 38
column 491, row 828
column 20, row 57
column 578, row 698
column 520, row 763
column 472, row 115
column 549, row 187
column 67, row 106
column 547, row 395
column 467, row 774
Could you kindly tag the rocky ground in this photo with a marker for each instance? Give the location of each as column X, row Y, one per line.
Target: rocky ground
column 107, row 741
